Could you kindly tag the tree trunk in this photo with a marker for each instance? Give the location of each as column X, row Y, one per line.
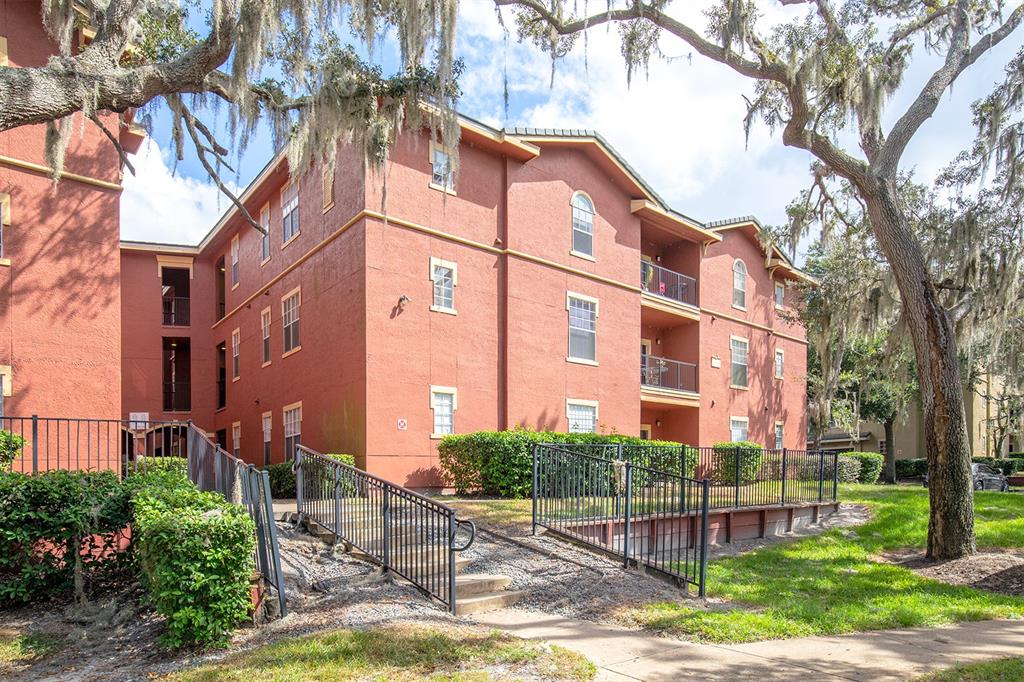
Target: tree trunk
column 950, row 486
column 890, row 451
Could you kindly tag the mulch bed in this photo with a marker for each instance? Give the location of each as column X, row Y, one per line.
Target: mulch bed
column 999, row 571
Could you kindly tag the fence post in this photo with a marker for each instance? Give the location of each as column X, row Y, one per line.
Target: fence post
column 337, row 504
column 737, row 481
column 784, row 471
column 387, row 528
column 275, row 553
column 35, row 444
column 682, row 460
column 702, row 589
column 835, row 478
column 534, row 512
column 298, row 482
column 821, row 474
column 629, row 510
column 451, row 563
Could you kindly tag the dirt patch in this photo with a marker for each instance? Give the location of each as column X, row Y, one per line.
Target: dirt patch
column 999, row 571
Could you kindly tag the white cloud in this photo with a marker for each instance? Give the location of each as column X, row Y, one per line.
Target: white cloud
column 160, row 206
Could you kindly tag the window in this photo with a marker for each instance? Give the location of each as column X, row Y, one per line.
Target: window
column 290, row 321
column 444, row 275
column 5, row 219
column 265, row 237
column 737, row 429
column 780, row 360
column 738, row 374
column 582, row 416
column 265, row 328
column 268, row 423
column 780, row 294
column 234, row 261
column 327, row 184
column 443, row 403
column 290, row 212
column 582, row 225
column 441, row 168
column 236, row 439
column 236, row 341
column 582, row 328
column 778, row 435
column 739, row 285
column 292, row 429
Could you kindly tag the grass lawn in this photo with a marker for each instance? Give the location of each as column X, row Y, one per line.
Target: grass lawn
column 397, row 653
column 492, row 512
column 1001, row 670
column 830, row 584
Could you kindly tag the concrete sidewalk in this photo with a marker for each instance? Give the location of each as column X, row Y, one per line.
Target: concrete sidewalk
column 623, row 654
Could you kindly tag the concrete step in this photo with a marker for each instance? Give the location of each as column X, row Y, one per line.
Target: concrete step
column 487, row 602
column 475, row 584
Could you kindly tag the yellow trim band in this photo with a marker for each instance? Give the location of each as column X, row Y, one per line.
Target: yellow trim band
column 46, row 170
column 755, row 325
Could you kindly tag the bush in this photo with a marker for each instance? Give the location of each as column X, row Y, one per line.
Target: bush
column 196, row 554
column 149, row 464
column 11, row 445
column 871, row 464
column 500, row 463
column 911, row 468
column 282, row 480
column 723, row 468
column 850, row 469
column 58, row 526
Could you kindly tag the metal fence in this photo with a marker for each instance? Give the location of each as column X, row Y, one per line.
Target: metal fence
column 644, row 515
column 675, row 375
column 126, row 447
column 405, row 532
column 668, row 283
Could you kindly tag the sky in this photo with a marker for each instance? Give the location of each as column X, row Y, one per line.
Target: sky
column 680, row 125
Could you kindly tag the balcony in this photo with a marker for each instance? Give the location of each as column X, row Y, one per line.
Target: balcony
column 177, row 396
column 663, row 380
column 176, row 311
column 667, row 294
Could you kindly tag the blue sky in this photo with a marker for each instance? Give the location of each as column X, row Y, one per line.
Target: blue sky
column 680, row 126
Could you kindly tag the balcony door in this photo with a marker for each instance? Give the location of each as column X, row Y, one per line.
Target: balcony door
column 176, row 291
column 177, row 375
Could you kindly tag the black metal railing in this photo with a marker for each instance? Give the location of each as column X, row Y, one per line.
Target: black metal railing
column 176, row 311
column 177, row 396
column 222, row 393
column 752, row 477
column 643, row 515
column 666, row 373
column 667, row 283
column 127, row 447
column 405, row 532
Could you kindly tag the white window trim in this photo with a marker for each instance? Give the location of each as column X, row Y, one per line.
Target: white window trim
column 436, row 263
column 747, row 342
column 270, row 319
column 745, row 420
column 235, row 262
column 775, row 433
column 284, row 423
column 775, row 288
column 298, row 201
column 572, row 228
column 779, row 352
column 236, row 352
column 597, row 313
column 296, row 290
column 328, row 171
column 580, row 402
column 430, row 159
column 454, row 393
column 732, row 289
column 650, row 431
column 236, row 443
column 265, row 210
column 265, row 432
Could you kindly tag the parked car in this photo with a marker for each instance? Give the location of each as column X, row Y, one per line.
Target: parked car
column 985, row 478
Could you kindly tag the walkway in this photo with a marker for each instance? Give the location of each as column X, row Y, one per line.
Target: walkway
column 623, row 654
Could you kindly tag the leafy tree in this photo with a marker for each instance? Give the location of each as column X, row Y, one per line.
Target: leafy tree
column 280, row 62
column 828, row 76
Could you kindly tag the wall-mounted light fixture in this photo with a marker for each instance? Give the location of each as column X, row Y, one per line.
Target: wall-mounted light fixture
column 657, row 422
column 402, row 301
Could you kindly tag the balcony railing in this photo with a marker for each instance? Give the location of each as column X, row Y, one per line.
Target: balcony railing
column 177, row 396
column 176, row 311
column 673, row 375
column 667, row 283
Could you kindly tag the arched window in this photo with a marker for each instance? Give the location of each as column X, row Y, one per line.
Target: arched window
column 739, row 284
column 582, row 224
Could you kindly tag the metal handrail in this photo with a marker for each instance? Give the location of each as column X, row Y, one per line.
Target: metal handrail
column 667, row 283
column 472, row 534
column 658, row 372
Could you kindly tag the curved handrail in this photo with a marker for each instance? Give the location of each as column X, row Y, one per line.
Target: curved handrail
column 472, row 535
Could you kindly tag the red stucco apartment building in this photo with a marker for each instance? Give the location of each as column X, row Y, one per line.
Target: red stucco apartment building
column 545, row 285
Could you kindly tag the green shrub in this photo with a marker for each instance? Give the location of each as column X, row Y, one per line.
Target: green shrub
column 11, row 445
column 500, row 463
column 911, row 468
column 282, row 480
column 723, row 467
column 196, row 554
column 871, row 464
column 148, row 464
column 50, row 519
column 850, row 469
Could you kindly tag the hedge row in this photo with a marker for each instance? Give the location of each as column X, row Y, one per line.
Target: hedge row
column 282, row 478
column 1008, row 465
column 915, row 468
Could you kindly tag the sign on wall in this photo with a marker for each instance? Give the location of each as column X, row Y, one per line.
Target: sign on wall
column 138, row 420
column 403, row 424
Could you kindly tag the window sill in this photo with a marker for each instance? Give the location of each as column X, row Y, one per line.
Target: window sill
column 328, row 207
column 234, row 379
column 439, row 436
column 584, row 256
column 264, row 261
column 446, row 190
column 221, row 409
column 739, row 388
column 265, row 364
column 235, row 286
column 293, row 351
column 739, row 307
column 582, row 361
column 442, row 309
column 5, row 262
column 780, row 307
column 290, row 240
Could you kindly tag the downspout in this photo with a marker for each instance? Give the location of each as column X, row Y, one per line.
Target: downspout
column 503, row 341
